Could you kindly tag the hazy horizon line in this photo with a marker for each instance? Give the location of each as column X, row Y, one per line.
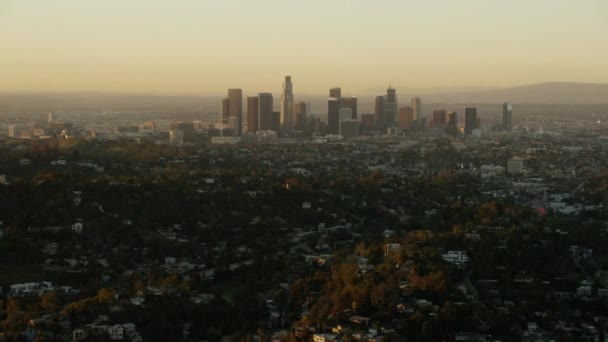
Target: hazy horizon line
column 368, row 91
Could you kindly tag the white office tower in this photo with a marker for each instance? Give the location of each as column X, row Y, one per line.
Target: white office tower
column 287, row 121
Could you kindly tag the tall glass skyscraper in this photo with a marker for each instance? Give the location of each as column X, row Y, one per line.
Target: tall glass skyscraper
column 470, row 120
column 265, row 105
column 390, row 107
column 235, row 106
column 287, row 105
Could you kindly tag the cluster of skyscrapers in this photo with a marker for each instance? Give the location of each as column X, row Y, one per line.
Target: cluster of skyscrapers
column 342, row 115
column 261, row 116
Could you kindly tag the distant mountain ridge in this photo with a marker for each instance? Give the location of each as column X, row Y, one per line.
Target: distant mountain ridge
column 540, row 93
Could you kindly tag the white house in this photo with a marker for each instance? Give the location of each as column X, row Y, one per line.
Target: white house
column 324, row 337
column 79, row 335
column 116, row 332
column 459, row 258
column 31, row 288
column 77, row 227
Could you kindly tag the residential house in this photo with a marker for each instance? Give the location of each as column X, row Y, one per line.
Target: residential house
column 324, row 338
column 459, row 258
column 116, row 332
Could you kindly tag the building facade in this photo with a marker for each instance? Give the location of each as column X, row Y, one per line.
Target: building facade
column 287, row 105
column 470, row 120
column 265, row 107
column 235, row 97
column 252, row 114
column 507, row 117
column 406, row 117
column 390, row 107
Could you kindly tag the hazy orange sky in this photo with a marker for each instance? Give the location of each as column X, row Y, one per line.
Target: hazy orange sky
column 205, row 46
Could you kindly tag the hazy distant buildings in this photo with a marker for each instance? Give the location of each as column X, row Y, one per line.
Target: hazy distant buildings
column 287, row 105
column 345, row 114
column 314, row 126
column 515, row 166
column 334, row 104
column 470, row 120
column 300, row 113
column 406, row 117
column 452, row 119
column 335, row 92
column 14, row 131
column 176, row 137
column 439, row 117
column 235, row 97
column 252, row 114
column 225, row 109
column 265, row 106
column 148, row 127
column 51, row 117
column 235, row 125
column 349, row 128
column 452, row 128
column 379, row 113
column 275, row 121
column 437, row 126
column 507, row 116
column 187, row 129
column 390, row 107
column 367, row 123
column 333, row 115
column 416, row 105
column 128, row 129
column 351, row 103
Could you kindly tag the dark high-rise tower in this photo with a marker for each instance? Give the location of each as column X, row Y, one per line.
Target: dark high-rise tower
column 390, row 107
column 349, row 102
column 439, row 117
column 334, row 104
column 333, row 115
column 287, row 105
column 452, row 128
column 335, row 92
column 452, row 119
column 252, row 114
column 406, row 116
column 507, row 116
column 225, row 109
column 235, row 96
column 367, row 123
column 300, row 113
column 265, row 106
column 470, row 120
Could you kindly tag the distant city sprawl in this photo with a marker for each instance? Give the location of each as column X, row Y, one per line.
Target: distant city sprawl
column 341, row 219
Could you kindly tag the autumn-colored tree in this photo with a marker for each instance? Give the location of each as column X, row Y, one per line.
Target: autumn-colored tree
column 105, row 296
column 49, row 301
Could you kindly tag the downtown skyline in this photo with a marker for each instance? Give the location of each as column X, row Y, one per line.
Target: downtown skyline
column 189, row 48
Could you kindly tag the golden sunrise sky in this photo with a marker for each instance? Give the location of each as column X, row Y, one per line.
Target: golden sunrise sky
column 205, row 46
